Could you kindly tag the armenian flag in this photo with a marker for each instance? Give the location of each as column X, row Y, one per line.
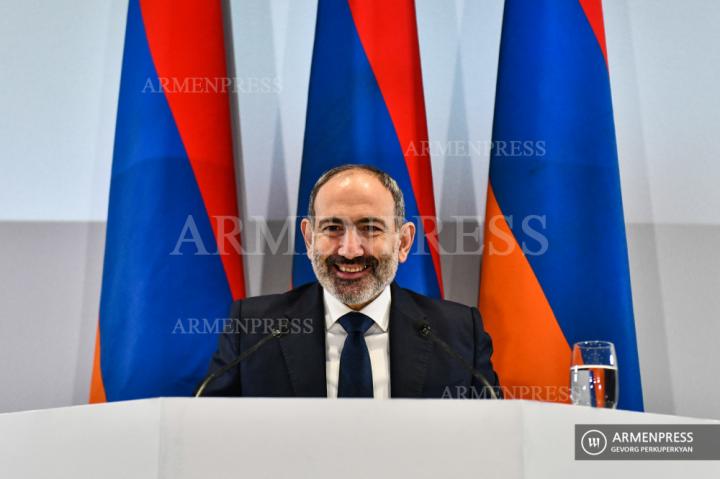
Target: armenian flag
column 172, row 255
column 555, row 263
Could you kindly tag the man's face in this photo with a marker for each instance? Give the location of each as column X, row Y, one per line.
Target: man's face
column 354, row 245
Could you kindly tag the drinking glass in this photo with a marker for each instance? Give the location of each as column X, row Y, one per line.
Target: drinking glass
column 593, row 374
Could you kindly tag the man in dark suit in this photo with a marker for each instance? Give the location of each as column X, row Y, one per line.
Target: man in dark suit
column 355, row 332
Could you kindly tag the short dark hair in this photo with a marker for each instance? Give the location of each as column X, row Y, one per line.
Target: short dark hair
column 387, row 181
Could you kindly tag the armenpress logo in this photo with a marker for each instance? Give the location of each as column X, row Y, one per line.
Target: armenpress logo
column 593, row 442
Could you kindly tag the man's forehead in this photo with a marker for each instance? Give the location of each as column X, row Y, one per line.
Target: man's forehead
column 353, row 177
column 352, row 192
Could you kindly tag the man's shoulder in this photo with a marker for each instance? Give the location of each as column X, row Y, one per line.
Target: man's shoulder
column 276, row 302
column 449, row 319
column 450, row 308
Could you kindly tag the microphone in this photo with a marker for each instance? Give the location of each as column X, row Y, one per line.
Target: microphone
column 276, row 333
column 426, row 331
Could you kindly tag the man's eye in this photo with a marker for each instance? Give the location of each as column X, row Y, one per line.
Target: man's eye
column 372, row 229
column 332, row 229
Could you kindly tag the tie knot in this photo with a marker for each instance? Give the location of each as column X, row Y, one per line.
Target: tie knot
column 356, row 322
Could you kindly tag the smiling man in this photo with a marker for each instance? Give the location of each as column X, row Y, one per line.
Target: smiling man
column 354, row 333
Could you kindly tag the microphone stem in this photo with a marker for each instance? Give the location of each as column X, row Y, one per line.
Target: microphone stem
column 248, row 352
column 427, row 332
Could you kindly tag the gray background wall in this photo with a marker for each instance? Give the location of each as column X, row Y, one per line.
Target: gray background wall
column 58, row 97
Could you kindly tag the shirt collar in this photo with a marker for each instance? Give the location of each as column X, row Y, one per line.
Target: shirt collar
column 378, row 310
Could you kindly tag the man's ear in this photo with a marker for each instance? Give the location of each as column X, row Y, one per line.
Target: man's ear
column 306, row 229
column 407, row 236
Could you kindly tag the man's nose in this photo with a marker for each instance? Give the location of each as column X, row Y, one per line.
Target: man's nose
column 351, row 244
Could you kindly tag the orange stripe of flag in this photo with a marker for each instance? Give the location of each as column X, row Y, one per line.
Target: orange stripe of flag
column 97, row 388
column 532, row 356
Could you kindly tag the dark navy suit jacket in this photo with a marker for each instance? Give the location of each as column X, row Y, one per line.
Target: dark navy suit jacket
column 293, row 365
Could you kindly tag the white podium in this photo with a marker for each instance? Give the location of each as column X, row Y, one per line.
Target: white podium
column 317, row 438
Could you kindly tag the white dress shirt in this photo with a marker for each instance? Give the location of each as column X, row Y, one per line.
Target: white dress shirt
column 376, row 338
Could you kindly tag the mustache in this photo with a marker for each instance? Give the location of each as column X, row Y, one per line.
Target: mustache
column 359, row 261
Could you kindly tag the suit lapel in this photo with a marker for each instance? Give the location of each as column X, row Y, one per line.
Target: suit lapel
column 409, row 351
column 304, row 352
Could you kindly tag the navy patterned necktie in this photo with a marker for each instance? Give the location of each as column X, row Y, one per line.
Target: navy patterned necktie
column 355, row 379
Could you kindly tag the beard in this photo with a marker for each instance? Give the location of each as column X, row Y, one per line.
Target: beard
column 362, row 290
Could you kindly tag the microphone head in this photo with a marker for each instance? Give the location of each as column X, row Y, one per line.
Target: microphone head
column 424, row 329
column 281, row 330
